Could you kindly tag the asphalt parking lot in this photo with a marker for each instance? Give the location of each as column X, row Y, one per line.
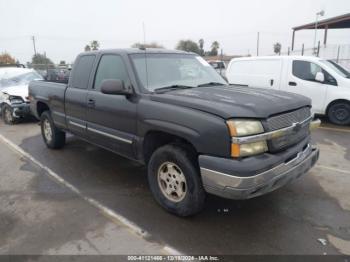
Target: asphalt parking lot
column 40, row 216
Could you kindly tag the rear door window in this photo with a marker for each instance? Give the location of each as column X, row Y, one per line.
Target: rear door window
column 82, row 71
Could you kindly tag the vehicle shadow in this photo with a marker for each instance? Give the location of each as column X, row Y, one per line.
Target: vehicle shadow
column 287, row 221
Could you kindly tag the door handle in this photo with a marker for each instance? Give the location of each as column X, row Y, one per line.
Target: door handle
column 91, row 103
column 292, row 84
column 271, row 82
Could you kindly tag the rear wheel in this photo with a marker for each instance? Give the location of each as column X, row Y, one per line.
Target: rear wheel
column 174, row 180
column 339, row 113
column 7, row 115
column 53, row 137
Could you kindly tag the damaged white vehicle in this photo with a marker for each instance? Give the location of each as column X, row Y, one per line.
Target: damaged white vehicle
column 14, row 102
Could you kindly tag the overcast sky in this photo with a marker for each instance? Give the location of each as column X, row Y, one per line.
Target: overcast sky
column 63, row 27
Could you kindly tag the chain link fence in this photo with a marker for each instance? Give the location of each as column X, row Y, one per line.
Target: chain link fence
column 337, row 53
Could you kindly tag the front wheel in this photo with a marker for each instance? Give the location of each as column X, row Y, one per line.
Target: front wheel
column 7, row 115
column 174, row 180
column 53, row 137
column 339, row 113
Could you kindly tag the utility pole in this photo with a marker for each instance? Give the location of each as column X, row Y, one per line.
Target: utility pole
column 321, row 13
column 33, row 39
column 257, row 44
column 144, row 34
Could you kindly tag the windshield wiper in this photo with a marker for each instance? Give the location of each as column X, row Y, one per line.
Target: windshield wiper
column 211, row 84
column 172, row 87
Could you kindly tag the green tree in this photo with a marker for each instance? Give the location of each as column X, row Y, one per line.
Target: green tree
column 6, row 58
column 40, row 61
column 147, row 45
column 214, row 48
column 189, row 46
column 277, row 48
column 201, row 46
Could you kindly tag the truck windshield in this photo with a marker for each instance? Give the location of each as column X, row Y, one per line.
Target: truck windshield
column 157, row 71
column 337, row 68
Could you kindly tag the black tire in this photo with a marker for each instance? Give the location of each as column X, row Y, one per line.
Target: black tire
column 339, row 113
column 194, row 198
column 7, row 115
column 58, row 138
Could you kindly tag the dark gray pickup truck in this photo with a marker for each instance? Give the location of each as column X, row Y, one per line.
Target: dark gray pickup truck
column 173, row 112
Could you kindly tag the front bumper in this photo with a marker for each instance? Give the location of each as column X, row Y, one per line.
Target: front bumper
column 21, row 110
column 231, row 185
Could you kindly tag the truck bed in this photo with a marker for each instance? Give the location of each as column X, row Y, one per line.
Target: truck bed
column 50, row 93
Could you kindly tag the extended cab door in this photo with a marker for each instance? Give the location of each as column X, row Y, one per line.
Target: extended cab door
column 111, row 119
column 76, row 93
column 301, row 80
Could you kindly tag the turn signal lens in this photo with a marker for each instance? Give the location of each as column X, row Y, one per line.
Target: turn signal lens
column 248, row 149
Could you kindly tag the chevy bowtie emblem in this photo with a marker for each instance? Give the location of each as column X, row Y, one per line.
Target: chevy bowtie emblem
column 297, row 127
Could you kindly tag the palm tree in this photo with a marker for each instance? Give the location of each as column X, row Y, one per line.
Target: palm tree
column 87, row 48
column 94, row 45
column 215, row 45
column 277, row 48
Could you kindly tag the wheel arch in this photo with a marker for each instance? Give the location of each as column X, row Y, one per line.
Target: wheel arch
column 41, row 107
column 336, row 101
column 155, row 139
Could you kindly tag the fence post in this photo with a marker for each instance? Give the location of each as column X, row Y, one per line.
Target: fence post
column 318, row 48
column 302, row 50
column 338, row 53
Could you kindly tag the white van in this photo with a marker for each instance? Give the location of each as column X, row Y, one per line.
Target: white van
column 324, row 81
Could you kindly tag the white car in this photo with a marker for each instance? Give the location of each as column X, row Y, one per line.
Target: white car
column 14, row 103
column 325, row 82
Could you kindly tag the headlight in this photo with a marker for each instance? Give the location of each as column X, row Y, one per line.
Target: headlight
column 16, row 99
column 245, row 127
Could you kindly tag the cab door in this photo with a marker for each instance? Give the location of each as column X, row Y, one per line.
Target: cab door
column 111, row 119
column 76, row 95
column 302, row 80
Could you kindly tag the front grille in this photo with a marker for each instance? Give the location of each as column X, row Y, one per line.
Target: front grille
column 286, row 120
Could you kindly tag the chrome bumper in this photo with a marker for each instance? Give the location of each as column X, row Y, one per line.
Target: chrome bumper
column 236, row 187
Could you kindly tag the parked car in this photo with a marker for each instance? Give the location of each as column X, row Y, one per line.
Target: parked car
column 324, row 81
column 14, row 103
column 194, row 132
column 58, row 75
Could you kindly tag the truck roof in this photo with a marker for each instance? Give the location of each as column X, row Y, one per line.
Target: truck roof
column 138, row 51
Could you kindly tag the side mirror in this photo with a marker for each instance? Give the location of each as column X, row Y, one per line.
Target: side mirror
column 319, row 77
column 114, row 87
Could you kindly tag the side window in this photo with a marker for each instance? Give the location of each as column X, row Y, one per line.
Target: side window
column 305, row 70
column 329, row 79
column 82, row 71
column 111, row 67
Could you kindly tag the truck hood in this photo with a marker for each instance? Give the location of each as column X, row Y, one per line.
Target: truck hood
column 20, row 90
column 234, row 101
